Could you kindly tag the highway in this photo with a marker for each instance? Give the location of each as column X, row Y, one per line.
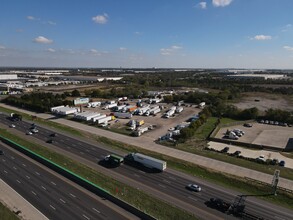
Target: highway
column 55, row 198
column 170, row 183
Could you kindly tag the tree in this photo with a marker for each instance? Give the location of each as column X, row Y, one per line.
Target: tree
column 75, row 93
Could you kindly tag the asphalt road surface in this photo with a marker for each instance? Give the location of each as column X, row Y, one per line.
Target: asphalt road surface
column 55, row 198
column 169, row 183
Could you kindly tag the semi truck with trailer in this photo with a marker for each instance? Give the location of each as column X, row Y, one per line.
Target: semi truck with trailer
column 146, row 161
column 113, row 160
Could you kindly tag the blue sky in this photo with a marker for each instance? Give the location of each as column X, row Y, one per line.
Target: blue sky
column 147, row 33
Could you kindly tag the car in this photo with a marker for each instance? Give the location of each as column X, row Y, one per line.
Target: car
column 193, row 187
column 262, row 121
column 225, row 150
column 276, row 123
column 261, row 158
column 12, row 126
column 50, row 141
column 247, row 125
column 28, row 133
column 171, row 129
column 237, row 153
column 282, row 163
column 53, row 135
column 1, row 152
column 34, row 130
column 266, row 122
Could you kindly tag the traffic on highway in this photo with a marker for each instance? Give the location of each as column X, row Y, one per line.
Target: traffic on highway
column 169, row 185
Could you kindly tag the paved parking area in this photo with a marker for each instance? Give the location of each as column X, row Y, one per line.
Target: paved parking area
column 252, row 153
column 263, row 134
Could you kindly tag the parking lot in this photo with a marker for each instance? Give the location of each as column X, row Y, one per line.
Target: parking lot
column 275, row 136
column 161, row 125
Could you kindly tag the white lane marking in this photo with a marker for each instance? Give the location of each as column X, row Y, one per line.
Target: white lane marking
column 67, row 139
column 23, row 165
column 87, row 150
column 81, row 152
column 3, row 160
column 12, row 158
column 72, row 195
column 15, row 168
column 37, row 173
column 62, row 201
column 53, row 183
column 141, row 171
column 62, row 140
column 136, row 175
column 44, row 188
column 96, row 210
column 86, row 217
column 162, row 185
column 34, row 193
column 166, row 181
column 18, row 181
column 52, row 207
column 27, row 177
column 171, row 177
column 192, row 198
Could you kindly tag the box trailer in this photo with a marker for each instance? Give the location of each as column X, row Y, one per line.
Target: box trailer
column 122, row 115
column 179, row 109
column 146, row 161
column 98, row 117
column 104, row 120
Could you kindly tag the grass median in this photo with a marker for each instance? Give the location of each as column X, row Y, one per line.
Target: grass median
column 135, row 197
column 7, row 214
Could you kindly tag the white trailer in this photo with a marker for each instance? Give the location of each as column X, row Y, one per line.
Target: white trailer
column 179, row 109
column 118, row 108
column 104, row 120
column 112, row 105
column 169, row 113
column 147, row 161
column 111, row 102
column 98, row 117
column 142, row 110
column 122, row 115
column 95, row 104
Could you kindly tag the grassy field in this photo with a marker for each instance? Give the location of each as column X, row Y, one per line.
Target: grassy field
column 6, row 214
column 138, row 198
column 204, row 131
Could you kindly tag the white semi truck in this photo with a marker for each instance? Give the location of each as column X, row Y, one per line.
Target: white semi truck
column 146, row 161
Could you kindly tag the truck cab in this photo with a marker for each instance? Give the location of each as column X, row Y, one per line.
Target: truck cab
column 113, row 159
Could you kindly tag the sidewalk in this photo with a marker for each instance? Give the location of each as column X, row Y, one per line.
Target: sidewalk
column 149, row 144
column 18, row 204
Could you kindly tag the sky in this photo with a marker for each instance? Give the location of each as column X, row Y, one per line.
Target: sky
column 147, row 33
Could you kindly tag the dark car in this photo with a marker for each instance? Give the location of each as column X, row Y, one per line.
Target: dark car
column 50, row 141
column 1, row 152
column 237, row 153
column 53, row 135
column 282, row 163
column 225, row 150
column 247, row 125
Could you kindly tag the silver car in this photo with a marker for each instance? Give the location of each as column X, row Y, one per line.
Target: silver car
column 193, row 187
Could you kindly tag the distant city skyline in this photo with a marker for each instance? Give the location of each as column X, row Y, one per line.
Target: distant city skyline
column 254, row 34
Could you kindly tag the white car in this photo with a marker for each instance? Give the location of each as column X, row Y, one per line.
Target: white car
column 29, row 133
column 261, row 158
column 12, row 126
column 193, row 187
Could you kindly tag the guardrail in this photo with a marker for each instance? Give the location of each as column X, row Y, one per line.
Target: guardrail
column 77, row 179
column 267, row 184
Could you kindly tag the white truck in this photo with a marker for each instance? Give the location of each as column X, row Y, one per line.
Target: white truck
column 104, row 120
column 122, row 115
column 146, row 161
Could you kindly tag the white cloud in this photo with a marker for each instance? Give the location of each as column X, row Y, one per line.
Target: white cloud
column 261, row 37
column 30, row 17
column 287, row 27
column 202, row 5
column 51, row 50
column 138, row 33
column 42, row 40
column 170, row 50
column 288, row 48
column 122, row 48
column 221, row 3
column 2, row 47
column 51, row 22
column 101, row 19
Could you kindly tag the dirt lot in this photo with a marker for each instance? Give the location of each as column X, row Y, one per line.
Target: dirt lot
column 264, row 134
column 264, row 101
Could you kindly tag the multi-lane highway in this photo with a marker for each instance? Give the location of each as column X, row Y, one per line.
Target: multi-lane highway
column 54, row 197
column 168, row 183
